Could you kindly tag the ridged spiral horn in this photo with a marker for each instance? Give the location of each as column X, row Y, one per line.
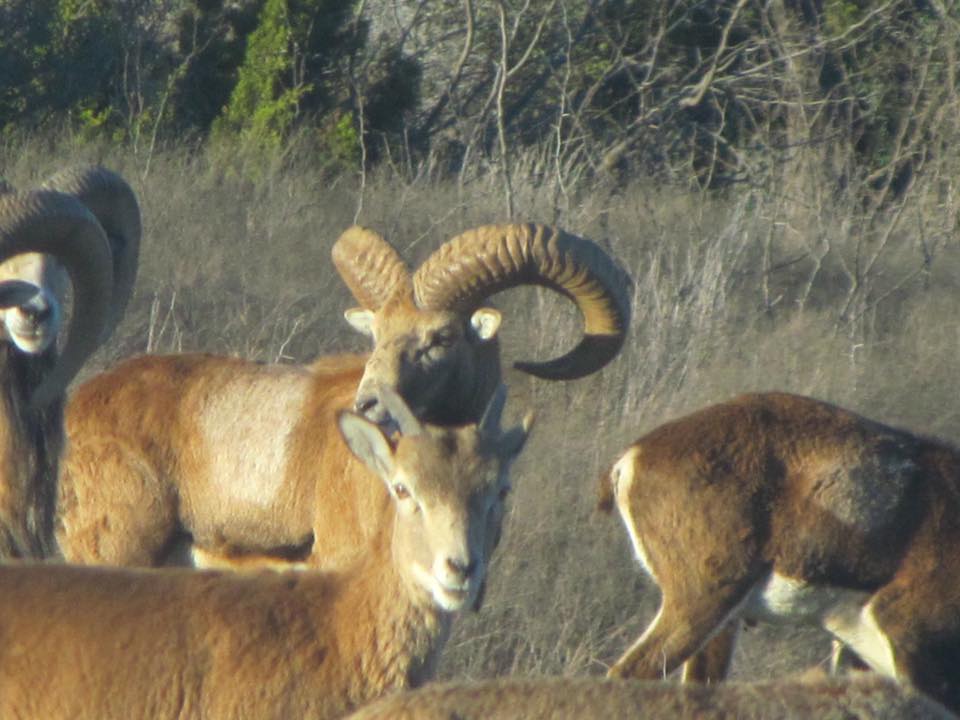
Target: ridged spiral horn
column 464, row 271
column 369, row 265
column 113, row 202
column 60, row 225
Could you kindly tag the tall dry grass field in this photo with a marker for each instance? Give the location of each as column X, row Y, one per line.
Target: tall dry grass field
column 792, row 284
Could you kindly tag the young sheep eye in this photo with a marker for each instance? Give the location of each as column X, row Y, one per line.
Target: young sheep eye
column 400, row 490
column 504, row 491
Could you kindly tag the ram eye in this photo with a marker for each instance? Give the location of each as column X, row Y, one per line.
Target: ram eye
column 400, row 490
column 504, row 491
column 443, row 340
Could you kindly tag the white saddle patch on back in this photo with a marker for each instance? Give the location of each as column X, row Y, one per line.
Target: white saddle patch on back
column 247, row 427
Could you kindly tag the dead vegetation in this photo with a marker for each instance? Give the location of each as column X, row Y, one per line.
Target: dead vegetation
column 785, row 286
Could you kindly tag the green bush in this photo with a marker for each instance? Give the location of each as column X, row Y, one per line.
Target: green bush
column 290, row 70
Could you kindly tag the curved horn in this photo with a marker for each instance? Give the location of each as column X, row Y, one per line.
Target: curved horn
column 114, row 204
column 464, row 271
column 369, row 265
column 50, row 222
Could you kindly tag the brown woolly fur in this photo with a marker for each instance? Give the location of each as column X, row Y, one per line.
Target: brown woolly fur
column 156, row 442
column 31, row 440
column 780, row 507
column 96, row 642
column 242, row 459
column 866, row 698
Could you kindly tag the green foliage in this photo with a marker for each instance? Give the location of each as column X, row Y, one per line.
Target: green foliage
column 344, row 141
column 290, row 70
column 609, row 85
column 24, row 50
column 62, row 60
column 839, row 15
column 88, row 44
column 210, row 41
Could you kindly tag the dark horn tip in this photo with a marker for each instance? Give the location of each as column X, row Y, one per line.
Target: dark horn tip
column 593, row 353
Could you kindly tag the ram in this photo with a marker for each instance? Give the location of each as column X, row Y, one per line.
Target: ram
column 81, row 229
column 94, row 642
column 869, row 697
column 241, row 458
column 782, row 508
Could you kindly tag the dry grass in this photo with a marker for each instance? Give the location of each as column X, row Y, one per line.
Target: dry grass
column 759, row 289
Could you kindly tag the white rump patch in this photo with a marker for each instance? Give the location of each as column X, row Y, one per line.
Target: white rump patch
column 622, row 477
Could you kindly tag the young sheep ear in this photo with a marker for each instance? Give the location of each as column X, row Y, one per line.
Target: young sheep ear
column 16, row 292
column 367, row 443
column 361, row 320
column 514, row 439
column 402, row 415
column 485, row 322
column 490, row 422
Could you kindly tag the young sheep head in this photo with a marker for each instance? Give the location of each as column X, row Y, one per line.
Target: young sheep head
column 449, row 486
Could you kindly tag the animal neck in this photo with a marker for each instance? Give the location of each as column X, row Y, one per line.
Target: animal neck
column 399, row 630
column 30, row 445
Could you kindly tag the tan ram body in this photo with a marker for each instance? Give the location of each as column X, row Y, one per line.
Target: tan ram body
column 242, row 459
column 782, row 508
column 103, row 643
column 81, row 229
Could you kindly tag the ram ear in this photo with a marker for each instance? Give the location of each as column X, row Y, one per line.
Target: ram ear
column 490, row 422
column 361, row 320
column 485, row 322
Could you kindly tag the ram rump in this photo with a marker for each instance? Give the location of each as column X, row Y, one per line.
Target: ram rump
column 244, row 458
column 782, row 508
column 104, row 643
column 80, row 230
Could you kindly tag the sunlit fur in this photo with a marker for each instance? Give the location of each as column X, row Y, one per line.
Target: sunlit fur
column 817, row 698
column 241, row 459
column 86, row 642
column 782, row 508
column 229, row 455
